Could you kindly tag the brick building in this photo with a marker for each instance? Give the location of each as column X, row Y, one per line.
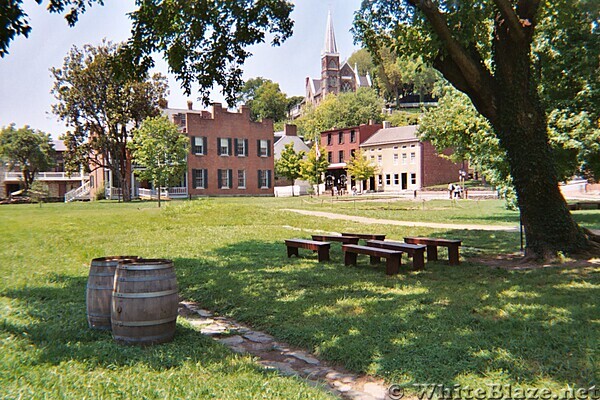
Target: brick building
column 340, row 145
column 405, row 162
column 230, row 155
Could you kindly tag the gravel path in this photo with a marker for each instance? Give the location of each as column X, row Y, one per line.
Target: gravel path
column 435, row 225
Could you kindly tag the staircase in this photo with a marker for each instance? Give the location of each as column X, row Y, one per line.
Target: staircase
column 80, row 193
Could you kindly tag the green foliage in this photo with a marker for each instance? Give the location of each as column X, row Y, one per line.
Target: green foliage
column 15, row 21
column 39, row 191
column 403, row 118
column 314, row 165
column 361, row 58
column 205, row 42
column 266, row 100
column 159, row 147
column 288, row 164
column 30, row 150
column 102, row 104
column 341, row 111
column 360, row 167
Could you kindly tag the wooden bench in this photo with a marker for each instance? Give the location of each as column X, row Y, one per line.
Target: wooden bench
column 416, row 251
column 333, row 238
column 365, row 236
column 322, row 248
column 432, row 245
column 393, row 257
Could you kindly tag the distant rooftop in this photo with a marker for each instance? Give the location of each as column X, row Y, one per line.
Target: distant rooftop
column 393, row 135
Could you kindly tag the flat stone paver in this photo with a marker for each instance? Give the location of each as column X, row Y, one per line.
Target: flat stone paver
column 434, row 225
column 287, row 360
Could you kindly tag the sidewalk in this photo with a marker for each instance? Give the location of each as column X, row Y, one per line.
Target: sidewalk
column 434, row 225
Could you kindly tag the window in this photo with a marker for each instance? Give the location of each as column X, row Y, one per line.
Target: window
column 341, row 156
column 413, row 157
column 241, row 147
column 225, row 176
column 199, row 145
column 404, row 146
column 395, row 147
column 224, row 145
column 329, row 157
column 264, row 179
column 403, row 158
column 380, row 180
column 352, row 137
column 388, row 179
column 412, row 145
column 329, row 139
column 373, row 158
column 199, row 178
column 413, row 179
column 346, row 87
column 372, row 149
column 241, row 179
column 352, row 152
column 396, row 159
column 379, row 159
column 396, row 179
column 264, row 148
column 341, row 138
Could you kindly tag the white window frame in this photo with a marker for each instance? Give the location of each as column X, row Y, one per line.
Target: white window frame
column 224, row 147
column 241, row 178
column 413, row 158
column 395, row 158
column 264, row 148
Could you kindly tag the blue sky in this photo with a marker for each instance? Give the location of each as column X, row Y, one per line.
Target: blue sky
column 25, row 80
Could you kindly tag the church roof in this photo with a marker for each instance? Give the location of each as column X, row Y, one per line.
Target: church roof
column 330, row 46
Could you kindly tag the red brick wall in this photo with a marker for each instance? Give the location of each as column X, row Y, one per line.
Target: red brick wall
column 224, row 124
column 363, row 132
column 435, row 169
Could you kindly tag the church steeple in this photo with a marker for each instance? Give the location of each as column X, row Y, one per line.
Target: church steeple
column 330, row 47
column 330, row 62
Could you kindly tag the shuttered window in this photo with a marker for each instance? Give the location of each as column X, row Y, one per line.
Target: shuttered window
column 200, row 178
column 199, row 145
column 225, row 177
column 264, row 179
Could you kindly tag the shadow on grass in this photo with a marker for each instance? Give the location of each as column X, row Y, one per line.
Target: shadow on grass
column 53, row 319
column 443, row 325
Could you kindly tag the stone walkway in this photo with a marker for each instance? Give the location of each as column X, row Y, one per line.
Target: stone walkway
column 435, row 225
column 282, row 357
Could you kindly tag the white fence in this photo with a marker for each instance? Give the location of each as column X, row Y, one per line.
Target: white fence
column 47, row 176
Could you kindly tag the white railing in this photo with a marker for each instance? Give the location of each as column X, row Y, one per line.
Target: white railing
column 47, row 176
column 82, row 192
column 164, row 193
column 112, row 193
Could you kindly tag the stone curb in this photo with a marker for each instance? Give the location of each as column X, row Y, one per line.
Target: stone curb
column 285, row 359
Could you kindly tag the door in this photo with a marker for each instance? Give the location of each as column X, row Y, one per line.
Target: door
column 404, row 181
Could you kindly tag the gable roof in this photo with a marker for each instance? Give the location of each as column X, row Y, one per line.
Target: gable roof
column 393, row 135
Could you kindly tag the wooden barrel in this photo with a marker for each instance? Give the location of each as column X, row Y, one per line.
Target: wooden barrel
column 144, row 302
column 99, row 289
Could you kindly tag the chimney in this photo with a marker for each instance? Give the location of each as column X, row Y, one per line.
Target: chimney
column 387, row 124
column 190, row 105
column 289, row 130
column 371, row 122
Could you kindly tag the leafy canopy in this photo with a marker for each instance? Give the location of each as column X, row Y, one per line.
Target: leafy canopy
column 30, row 150
column 361, row 168
column 344, row 110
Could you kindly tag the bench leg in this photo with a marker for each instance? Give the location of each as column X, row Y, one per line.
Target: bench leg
column 375, row 260
column 453, row 255
column 292, row 251
column 418, row 260
column 323, row 254
column 432, row 254
column 349, row 258
column 392, row 265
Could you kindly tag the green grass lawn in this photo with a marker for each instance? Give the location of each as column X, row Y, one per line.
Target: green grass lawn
column 470, row 325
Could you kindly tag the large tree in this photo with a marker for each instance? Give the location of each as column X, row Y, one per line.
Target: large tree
column 102, row 105
column 265, row 99
column 29, row 150
column 159, row 147
column 484, row 49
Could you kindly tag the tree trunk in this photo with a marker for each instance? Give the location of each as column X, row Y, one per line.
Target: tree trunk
column 521, row 126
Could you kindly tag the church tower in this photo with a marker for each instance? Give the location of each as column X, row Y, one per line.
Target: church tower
column 330, row 62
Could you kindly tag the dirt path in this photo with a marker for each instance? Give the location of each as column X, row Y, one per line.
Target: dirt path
column 435, row 225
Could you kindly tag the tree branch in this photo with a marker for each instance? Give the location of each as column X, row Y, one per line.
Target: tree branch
column 515, row 28
column 475, row 79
